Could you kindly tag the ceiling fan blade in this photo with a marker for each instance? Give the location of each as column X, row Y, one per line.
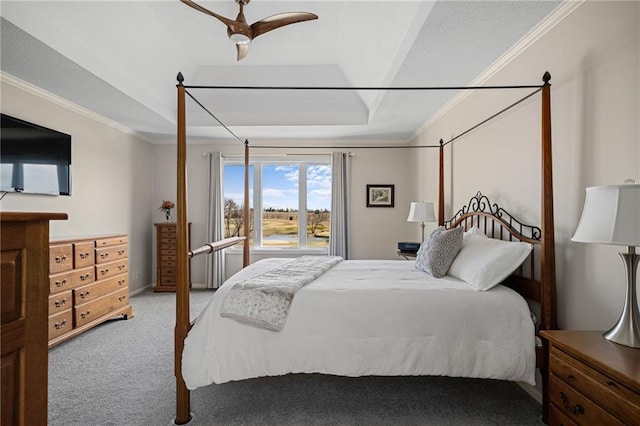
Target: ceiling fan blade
column 243, row 49
column 280, row 20
column 228, row 22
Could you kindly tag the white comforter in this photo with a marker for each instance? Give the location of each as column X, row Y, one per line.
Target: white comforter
column 369, row 317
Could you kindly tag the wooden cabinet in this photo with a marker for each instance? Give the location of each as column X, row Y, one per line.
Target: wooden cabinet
column 25, row 261
column 592, row 381
column 166, row 251
column 88, row 284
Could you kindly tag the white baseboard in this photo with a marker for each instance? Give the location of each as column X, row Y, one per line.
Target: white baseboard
column 532, row 391
column 140, row 290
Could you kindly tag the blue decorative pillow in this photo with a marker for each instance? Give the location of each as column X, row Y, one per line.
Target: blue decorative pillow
column 439, row 249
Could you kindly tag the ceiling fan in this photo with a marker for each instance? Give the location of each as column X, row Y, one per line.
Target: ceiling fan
column 242, row 33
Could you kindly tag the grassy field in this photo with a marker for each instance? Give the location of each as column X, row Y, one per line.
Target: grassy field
column 280, row 229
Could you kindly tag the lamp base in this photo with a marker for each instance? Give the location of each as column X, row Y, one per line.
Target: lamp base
column 627, row 330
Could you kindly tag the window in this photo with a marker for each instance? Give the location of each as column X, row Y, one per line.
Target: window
column 280, row 189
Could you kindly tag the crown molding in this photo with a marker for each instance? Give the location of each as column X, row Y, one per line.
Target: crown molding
column 66, row 104
column 554, row 18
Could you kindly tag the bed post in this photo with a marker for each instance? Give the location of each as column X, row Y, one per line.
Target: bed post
column 245, row 213
column 441, row 186
column 548, row 261
column 548, row 242
column 183, row 411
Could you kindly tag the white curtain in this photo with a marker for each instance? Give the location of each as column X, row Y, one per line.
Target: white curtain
column 339, row 244
column 214, row 275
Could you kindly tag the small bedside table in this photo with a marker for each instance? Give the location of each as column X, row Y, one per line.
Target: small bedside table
column 407, row 254
column 591, row 380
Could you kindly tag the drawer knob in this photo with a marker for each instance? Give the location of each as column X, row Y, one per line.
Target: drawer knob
column 104, row 271
column 60, row 325
column 59, row 303
column 121, row 298
column 60, row 259
column 104, row 255
column 577, row 409
column 85, row 314
column 61, row 283
column 84, row 295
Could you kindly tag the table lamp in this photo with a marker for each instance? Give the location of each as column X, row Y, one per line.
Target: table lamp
column 421, row 212
column 611, row 215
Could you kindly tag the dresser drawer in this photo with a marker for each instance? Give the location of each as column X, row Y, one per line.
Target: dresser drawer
column 60, row 258
column 168, row 262
column 611, row 395
column 576, row 406
column 60, row 323
column 72, row 279
column 169, row 242
column 110, row 254
column 98, row 289
column 557, row 418
column 83, row 254
column 111, row 241
column 108, row 270
column 167, row 231
column 168, row 271
column 167, row 281
column 90, row 311
column 60, row 302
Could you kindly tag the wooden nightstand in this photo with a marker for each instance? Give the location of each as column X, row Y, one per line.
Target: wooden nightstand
column 592, row 381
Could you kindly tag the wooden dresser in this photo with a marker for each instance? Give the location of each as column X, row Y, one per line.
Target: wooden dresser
column 24, row 239
column 592, row 381
column 166, row 248
column 88, row 284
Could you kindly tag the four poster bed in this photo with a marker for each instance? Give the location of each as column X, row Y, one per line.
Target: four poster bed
column 375, row 317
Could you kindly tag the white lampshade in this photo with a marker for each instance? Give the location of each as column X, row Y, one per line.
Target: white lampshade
column 611, row 215
column 421, row 212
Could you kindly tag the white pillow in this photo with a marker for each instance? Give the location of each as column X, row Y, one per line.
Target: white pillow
column 484, row 262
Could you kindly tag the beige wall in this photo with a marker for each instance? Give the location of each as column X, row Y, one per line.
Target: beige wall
column 111, row 176
column 593, row 57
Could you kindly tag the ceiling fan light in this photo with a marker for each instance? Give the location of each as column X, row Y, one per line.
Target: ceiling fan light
column 239, row 38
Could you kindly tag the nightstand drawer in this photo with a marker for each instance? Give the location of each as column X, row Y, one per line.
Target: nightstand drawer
column 611, row 395
column 576, row 406
column 557, row 418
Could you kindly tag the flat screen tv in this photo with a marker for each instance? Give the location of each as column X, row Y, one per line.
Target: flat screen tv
column 34, row 159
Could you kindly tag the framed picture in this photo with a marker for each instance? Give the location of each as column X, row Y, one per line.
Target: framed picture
column 380, row 195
